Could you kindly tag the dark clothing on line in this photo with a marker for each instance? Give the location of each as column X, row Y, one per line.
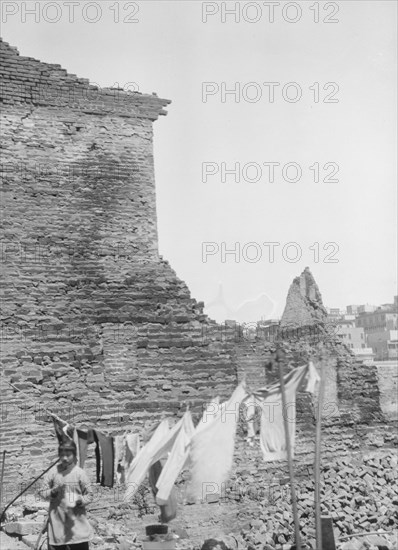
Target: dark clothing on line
column 106, row 451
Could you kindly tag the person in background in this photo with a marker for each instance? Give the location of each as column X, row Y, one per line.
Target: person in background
column 68, row 489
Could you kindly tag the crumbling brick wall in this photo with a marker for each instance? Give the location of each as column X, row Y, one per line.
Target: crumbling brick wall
column 94, row 321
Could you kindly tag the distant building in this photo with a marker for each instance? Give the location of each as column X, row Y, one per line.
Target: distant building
column 380, row 320
column 381, row 330
column 352, row 309
column 268, row 329
column 366, row 308
column 351, row 335
column 348, row 317
column 384, row 344
column 334, row 313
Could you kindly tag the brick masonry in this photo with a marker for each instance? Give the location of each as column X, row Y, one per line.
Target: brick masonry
column 96, row 326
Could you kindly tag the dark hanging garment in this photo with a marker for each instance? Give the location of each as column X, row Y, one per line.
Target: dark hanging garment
column 63, row 430
column 106, row 450
column 84, row 439
column 167, row 511
column 90, row 436
column 97, row 457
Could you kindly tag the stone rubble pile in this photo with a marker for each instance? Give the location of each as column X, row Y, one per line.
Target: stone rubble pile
column 360, row 495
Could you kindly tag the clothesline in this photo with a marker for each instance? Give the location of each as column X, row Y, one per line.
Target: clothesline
column 207, row 448
column 105, row 458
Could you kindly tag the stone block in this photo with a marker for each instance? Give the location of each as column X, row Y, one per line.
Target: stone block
column 22, row 527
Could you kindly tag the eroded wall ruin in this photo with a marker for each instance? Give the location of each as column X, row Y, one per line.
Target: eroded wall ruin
column 93, row 319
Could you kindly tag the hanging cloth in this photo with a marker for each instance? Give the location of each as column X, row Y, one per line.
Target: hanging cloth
column 105, row 456
column 168, row 510
column 272, row 430
column 127, row 447
column 66, row 432
column 84, row 438
column 175, row 461
column 119, row 441
column 133, row 446
column 212, row 447
column 63, row 430
column 157, row 447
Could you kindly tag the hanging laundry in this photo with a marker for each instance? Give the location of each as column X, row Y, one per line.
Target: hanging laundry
column 210, row 412
column 119, row 441
column 66, row 432
column 127, row 447
column 175, row 461
column 212, row 447
column 132, row 447
column 84, row 438
column 105, row 453
column 76, row 442
column 168, row 509
column 312, row 378
column 157, row 447
column 272, row 430
column 140, row 465
column 63, row 430
column 97, row 458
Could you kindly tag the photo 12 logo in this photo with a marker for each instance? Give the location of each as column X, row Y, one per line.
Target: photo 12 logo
column 269, row 172
column 271, row 251
column 270, row 12
column 90, row 12
column 270, row 92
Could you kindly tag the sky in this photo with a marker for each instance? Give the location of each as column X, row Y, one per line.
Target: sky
column 279, row 148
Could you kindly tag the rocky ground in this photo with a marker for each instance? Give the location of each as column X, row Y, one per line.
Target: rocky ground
column 10, row 543
column 359, row 493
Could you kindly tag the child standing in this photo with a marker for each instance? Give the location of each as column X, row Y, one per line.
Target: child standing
column 68, row 488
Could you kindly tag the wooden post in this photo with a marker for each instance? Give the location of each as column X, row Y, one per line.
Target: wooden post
column 279, row 360
column 2, row 477
column 328, row 542
column 317, row 465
